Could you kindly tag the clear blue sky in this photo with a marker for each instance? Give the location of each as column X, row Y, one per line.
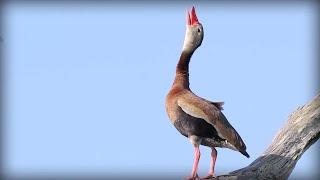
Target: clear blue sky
column 85, row 85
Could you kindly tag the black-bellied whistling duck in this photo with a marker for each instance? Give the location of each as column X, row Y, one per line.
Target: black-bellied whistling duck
column 200, row 120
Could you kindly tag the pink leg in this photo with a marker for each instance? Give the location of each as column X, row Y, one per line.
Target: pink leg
column 212, row 164
column 194, row 174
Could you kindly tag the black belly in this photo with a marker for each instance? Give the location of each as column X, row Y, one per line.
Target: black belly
column 188, row 125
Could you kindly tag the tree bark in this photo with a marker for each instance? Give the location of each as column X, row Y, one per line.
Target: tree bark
column 300, row 131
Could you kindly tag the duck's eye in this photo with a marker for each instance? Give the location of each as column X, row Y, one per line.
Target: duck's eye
column 199, row 30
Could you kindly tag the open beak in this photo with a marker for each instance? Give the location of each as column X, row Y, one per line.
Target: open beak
column 192, row 17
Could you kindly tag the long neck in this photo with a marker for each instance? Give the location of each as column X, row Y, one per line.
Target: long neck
column 182, row 70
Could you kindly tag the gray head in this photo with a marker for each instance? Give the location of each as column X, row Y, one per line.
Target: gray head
column 194, row 32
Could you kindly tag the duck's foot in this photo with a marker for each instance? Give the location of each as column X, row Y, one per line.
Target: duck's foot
column 209, row 176
column 196, row 177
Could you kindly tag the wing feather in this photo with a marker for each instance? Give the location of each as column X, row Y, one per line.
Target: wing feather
column 211, row 113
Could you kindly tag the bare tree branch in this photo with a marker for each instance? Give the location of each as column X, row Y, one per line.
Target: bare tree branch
column 300, row 131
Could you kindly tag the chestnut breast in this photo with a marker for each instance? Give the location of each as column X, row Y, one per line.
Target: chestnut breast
column 172, row 108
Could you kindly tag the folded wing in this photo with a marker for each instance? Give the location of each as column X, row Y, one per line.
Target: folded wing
column 211, row 113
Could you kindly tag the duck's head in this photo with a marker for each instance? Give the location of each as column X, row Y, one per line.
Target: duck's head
column 194, row 32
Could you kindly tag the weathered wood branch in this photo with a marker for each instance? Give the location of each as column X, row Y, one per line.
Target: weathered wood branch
column 300, row 131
